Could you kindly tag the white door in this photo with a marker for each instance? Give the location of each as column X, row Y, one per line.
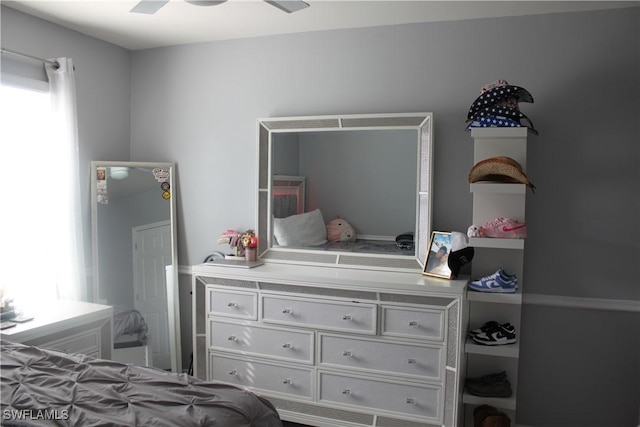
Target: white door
column 151, row 253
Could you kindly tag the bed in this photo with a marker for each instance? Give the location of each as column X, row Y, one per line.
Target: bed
column 46, row 387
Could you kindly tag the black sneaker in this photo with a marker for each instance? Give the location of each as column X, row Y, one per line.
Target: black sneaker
column 491, row 324
column 502, row 389
column 496, row 335
column 498, row 377
column 492, row 385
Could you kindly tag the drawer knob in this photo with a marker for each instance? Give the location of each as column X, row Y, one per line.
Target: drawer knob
column 346, row 391
column 412, row 361
column 232, row 305
column 346, row 317
column 413, row 323
column 347, row 354
column 287, row 311
column 410, row 401
column 287, row 345
column 234, row 373
column 287, row 381
column 232, row 338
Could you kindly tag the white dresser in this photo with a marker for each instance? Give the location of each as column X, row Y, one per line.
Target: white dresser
column 334, row 346
column 69, row 326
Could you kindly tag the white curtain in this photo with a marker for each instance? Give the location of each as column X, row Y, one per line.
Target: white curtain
column 71, row 278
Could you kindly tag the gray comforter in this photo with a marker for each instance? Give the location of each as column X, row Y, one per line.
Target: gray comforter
column 44, row 387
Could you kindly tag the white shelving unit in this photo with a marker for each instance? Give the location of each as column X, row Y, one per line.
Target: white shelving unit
column 492, row 200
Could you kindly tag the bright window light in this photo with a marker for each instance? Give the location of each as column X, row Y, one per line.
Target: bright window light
column 34, row 242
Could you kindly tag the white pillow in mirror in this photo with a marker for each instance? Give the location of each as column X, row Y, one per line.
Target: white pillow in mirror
column 305, row 229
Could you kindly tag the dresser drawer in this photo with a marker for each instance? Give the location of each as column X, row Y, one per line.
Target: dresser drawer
column 413, row 322
column 422, row 361
column 294, row 345
column 321, row 314
column 294, row 381
column 236, row 304
column 82, row 343
column 402, row 398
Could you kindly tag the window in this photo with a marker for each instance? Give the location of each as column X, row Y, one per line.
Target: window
column 35, row 247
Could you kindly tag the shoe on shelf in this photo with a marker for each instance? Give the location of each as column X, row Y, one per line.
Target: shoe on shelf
column 506, row 276
column 496, row 335
column 498, row 282
column 481, row 412
column 497, row 419
column 492, row 385
column 482, row 329
column 497, row 377
column 505, row 228
column 489, row 416
column 489, row 325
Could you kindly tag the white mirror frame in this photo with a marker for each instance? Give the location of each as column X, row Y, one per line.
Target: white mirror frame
column 422, row 123
column 173, row 303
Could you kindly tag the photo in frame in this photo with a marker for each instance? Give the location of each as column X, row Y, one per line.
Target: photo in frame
column 437, row 262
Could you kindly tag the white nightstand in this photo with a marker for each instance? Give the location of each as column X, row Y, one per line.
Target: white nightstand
column 69, row 326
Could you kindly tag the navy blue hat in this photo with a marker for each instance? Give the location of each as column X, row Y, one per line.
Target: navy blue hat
column 499, row 93
column 500, row 117
column 497, row 110
column 494, row 121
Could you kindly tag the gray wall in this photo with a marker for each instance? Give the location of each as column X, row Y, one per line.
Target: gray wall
column 198, row 104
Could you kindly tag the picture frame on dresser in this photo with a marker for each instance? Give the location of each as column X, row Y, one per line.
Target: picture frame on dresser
column 436, row 264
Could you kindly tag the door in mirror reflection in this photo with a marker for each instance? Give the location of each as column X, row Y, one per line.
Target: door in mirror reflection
column 151, row 255
column 134, row 253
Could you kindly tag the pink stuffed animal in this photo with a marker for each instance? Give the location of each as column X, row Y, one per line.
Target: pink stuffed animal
column 339, row 230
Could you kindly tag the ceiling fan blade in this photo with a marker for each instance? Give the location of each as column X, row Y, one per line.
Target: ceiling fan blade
column 149, row 7
column 288, row 6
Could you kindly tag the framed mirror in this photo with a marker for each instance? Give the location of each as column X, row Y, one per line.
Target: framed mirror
column 135, row 265
column 372, row 171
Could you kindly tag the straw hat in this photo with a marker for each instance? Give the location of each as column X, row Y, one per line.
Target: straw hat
column 501, row 169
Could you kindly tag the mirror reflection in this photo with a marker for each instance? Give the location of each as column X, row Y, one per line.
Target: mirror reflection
column 135, row 265
column 365, row 177
column 365, row 193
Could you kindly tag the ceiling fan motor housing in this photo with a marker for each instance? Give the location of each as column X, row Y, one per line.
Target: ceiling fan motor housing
column 205, row 2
